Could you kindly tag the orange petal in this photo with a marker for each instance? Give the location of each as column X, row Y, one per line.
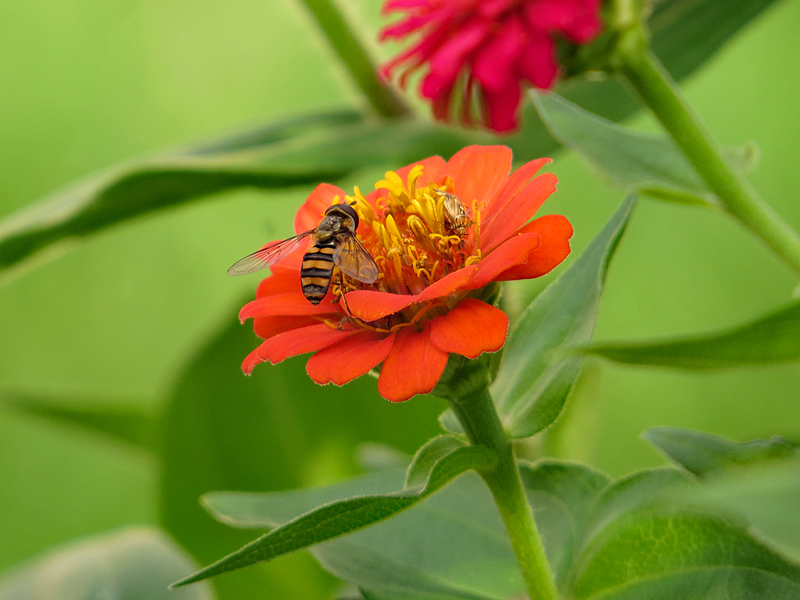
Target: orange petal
column 431, row 168
column 250, row 362
column 518, row 211
column 414, row 365
column 291, row 303
column 350, row 358
column 512, row 252
column 514, row 184
column 282, row 280
column 266, row 327
column 370, row 306
column 310, row 213
column 479, row 172
column 448, row 284
column 555, row 232
column 470, row 329
column 299, row 341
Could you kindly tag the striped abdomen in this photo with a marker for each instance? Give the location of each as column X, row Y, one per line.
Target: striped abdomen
column 317, row 269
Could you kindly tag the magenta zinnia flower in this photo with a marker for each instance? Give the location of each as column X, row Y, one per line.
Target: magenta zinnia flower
column 496, row 45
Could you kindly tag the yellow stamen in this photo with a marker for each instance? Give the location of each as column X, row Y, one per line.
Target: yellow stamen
column 391, row 227
column 414, row 174
column 418, row 229
column 393, row 183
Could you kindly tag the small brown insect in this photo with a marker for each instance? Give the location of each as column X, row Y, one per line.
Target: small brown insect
column 456, row 217
column 334, row 243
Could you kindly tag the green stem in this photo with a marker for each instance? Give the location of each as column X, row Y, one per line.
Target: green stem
column 663, row 97
column 478, row 417
column 356, row 59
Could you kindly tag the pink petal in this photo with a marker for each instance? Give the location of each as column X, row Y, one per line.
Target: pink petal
column 494, row 66
column 537, row 61
column 500, row 106
column 448, row 60
column 548, row 15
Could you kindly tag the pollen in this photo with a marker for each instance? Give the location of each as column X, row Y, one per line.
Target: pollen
column 416, row 234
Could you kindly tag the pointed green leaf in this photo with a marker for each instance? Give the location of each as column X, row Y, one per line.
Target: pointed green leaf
column 762, row 493
column 537, row 371
column 648, row 163
column 452, row 546
column 137, row 563
column 644, row 489
column 770, row 339
column 703, row 453
column 344, row 516
column 267, row 158
column 641, row 548
column 131, row 424
column 426, row 458
column 642, row 543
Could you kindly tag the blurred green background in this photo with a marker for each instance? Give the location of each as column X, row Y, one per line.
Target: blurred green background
column 116, row 325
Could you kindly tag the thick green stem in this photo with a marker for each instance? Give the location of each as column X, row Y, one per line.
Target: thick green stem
column 356, row 59
column 663, row 97
column 478, row 417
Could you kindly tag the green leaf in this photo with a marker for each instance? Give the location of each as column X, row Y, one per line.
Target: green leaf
column 644, row 541
column 561, row 494
column 703, row 453
column 137, row 563
column 645, row 489
column 222, row 430
column 770, row 339
column 131, row 424
column 648, row 163
column 686, row 33
column 452, row 546
column 763, row 494
column 267, row 158
column 708, row 583
column 537, row 371
column 344, row 516
column 634, row 552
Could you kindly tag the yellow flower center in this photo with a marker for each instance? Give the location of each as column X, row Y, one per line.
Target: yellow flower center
column 416, row 235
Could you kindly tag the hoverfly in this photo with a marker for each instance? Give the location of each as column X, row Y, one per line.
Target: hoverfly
column 333, row 243
column 456, row 217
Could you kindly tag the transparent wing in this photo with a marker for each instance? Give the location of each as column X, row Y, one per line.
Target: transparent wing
column 354, row 260
column 268, row 255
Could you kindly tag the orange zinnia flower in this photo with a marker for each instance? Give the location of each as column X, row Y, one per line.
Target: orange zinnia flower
column 440, row 232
